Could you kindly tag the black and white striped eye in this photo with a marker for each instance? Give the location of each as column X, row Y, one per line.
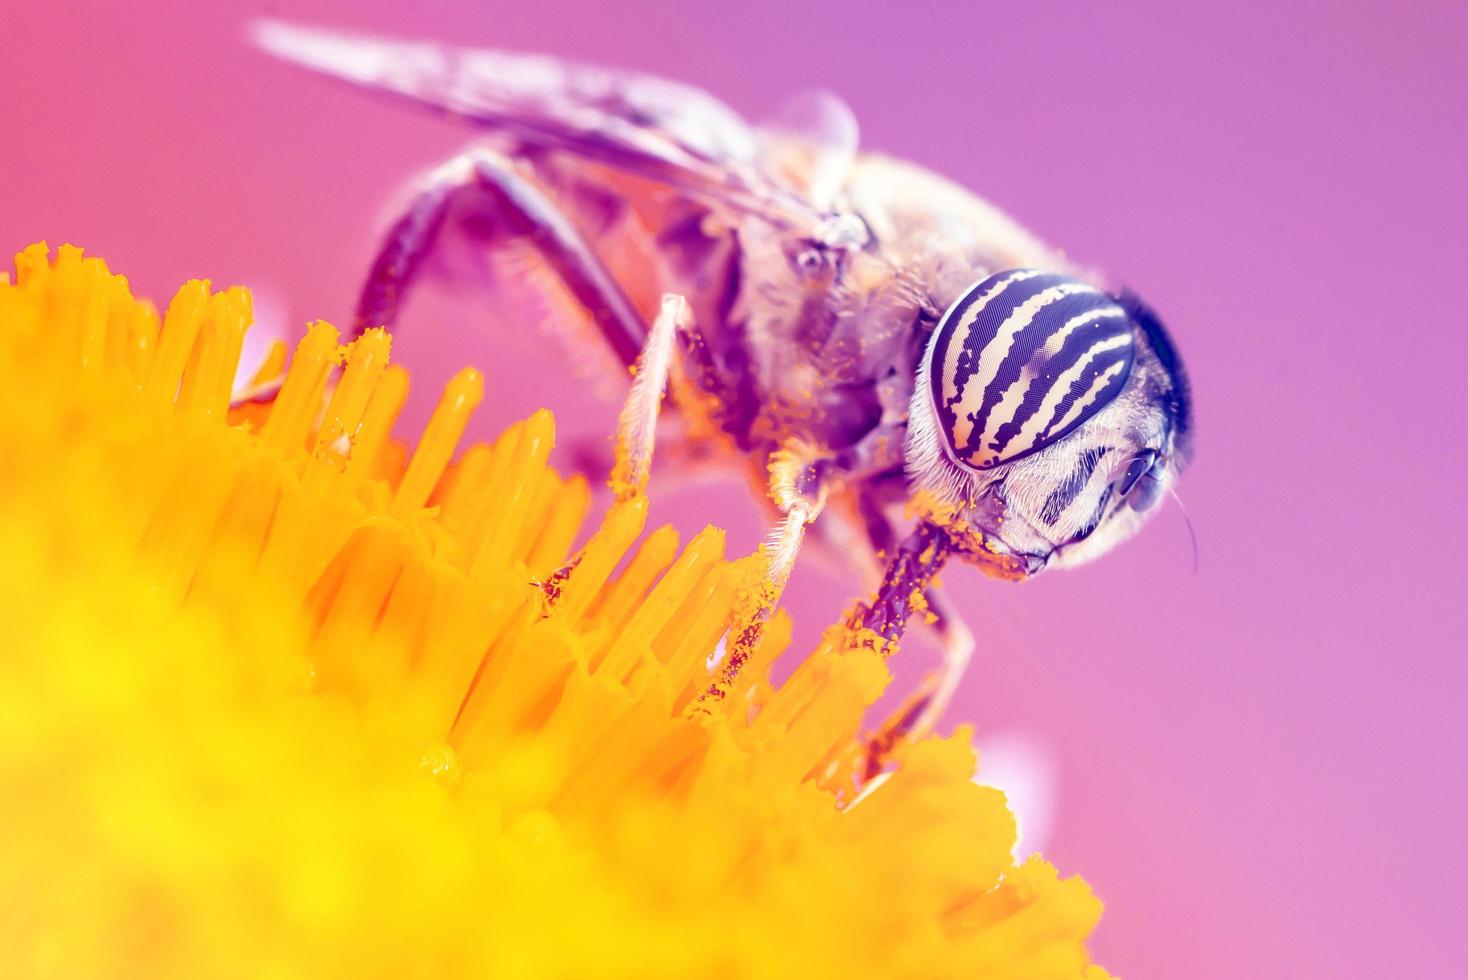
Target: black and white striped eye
column 1021, row 360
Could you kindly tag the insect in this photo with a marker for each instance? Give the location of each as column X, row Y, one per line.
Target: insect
column 875, row 341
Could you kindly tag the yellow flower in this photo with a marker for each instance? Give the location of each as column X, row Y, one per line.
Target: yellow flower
column 281, row 699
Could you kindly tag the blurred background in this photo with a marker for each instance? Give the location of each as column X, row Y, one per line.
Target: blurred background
column 1259, row 766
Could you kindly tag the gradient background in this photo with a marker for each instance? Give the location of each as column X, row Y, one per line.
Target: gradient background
column 1259, row 766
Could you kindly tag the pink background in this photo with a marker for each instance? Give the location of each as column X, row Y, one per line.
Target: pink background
column 1259, row 766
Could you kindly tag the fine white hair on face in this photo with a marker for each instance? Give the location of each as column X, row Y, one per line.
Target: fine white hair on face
column 927, row 461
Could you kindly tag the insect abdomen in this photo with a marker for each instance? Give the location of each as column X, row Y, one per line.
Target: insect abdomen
column 1022, row 360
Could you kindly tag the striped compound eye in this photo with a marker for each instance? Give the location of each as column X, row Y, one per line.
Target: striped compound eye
column 1021, row 360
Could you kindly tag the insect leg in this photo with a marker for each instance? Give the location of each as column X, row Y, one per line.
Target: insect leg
column 908, row 584
column 958, row 651
column 955, row 639
column 798, row 489
column 755, row 610
column 910, row 572
column 683, row 460
column 510, row 204
column 637, row 423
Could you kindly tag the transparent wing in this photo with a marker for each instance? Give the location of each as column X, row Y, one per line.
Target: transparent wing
column 811, row 143
column 661, row 130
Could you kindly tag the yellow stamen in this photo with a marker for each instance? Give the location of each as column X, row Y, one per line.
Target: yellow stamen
column 461, row 396
column 283, row 699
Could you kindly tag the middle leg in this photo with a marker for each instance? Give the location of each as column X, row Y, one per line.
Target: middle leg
column 797, row 486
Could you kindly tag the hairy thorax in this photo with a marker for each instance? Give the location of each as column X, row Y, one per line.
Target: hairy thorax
column 834, row 336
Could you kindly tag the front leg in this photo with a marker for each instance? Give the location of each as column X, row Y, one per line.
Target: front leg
column 942, row 618
column 908, row 584
column 501, row 203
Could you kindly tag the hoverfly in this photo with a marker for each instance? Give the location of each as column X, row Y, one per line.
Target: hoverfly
column 874, row 340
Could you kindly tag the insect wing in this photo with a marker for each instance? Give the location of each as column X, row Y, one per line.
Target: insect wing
column 664, row 131
column 812, row 143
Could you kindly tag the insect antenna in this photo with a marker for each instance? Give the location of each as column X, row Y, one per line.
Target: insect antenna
column 1188, row 521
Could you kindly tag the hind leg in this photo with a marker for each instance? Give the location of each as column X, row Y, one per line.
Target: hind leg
column 500, row 203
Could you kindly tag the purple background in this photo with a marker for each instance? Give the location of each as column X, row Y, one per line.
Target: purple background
column 1259, row 766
